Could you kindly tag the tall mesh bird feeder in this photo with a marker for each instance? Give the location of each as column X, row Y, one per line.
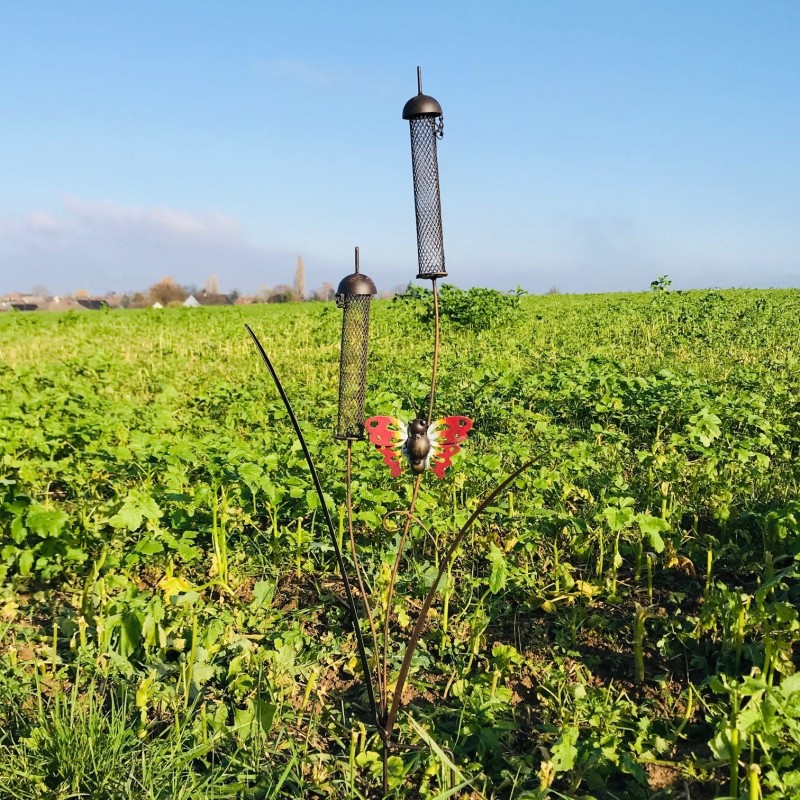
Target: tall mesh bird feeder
column 353, row 296
column 424, row 115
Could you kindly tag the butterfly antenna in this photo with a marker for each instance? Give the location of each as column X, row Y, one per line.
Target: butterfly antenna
column 423, row 409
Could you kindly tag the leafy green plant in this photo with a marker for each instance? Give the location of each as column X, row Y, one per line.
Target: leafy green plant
column 670, row 429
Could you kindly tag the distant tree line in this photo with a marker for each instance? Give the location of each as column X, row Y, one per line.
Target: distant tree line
column 168, row 292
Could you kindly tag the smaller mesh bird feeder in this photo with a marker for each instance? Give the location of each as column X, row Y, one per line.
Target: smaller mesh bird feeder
column 353, row 296
column 424, row 115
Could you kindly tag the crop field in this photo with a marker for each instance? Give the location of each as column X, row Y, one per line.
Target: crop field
column 622, row 622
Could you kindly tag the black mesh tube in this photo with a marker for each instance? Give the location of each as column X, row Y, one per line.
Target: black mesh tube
column 353, row 366
column 427, row 202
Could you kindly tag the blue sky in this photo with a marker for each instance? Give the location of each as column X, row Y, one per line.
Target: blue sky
column 590, row 145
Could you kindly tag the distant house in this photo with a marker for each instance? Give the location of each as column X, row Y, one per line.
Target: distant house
column 158, row 305
column 207, row 299
column 92, row 305
column 7, row 301
column 62, row 304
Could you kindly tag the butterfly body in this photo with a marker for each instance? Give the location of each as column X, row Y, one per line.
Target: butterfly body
column 417, row 446
column 421, row 445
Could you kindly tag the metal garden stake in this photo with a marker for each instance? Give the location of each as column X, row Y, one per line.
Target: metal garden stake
column 424, row 444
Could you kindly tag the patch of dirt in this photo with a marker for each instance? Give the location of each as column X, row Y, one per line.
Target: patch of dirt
column 661, row 777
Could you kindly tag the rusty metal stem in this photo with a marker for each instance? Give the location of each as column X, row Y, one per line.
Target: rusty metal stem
column 357, row 568
column 390, row 589
column 435, row 291
column 409, row 514
column 426, row 606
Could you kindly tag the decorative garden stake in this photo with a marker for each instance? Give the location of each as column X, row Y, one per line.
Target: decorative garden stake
column 353, row 296
column 425, row 444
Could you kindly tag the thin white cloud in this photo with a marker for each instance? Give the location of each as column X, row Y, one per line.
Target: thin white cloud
column 155, row 220
column 107, row 246
column 40, row 222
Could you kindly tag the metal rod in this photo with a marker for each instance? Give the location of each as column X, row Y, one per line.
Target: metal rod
column 410, row 512
column 419, row 80
column 435, row 291
column 358, row 261
column 357, row 567
column 428, row 602
column 390, row 589
column 339, row 560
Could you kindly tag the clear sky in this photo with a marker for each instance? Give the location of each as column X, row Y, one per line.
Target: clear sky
column 590, row 145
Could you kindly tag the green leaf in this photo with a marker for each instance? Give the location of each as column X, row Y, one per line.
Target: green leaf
column 652, row 527
column 250, row 474
column 499, row 574
column 149, row 546
column 46, row 522
column 256, row 715
column 202, row 673
column 137, row 507
column 263, row 591
column 721, row 744
column 74, row 554
column 312, row 500
column 789, row 685
column 18, row 530
column 264, row 714
column 619, row 519
column 564, row 752
column 130, row 633
column 25, row 563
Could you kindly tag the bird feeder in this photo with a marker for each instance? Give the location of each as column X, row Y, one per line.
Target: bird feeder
column 424, row 115
column 353, row 296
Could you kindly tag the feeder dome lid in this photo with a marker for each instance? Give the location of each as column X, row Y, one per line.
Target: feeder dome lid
column 356, row 284
column 422, row 105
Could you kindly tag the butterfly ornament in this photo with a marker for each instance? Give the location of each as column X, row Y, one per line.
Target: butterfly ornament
column 422, row 445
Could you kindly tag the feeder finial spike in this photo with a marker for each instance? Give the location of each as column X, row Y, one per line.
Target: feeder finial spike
column 419, row 80
column 358, row 262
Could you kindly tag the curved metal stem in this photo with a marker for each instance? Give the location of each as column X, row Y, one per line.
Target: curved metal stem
column 428, row 602
column 435, row 291
column 359, row 578
column 390, row 591
column 337, row 551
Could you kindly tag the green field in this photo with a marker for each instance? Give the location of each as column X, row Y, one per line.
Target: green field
column 623, row 622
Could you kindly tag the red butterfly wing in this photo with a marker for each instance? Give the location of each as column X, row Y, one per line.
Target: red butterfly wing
column 453, row 430
column 388, row 435
column 449, row 433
